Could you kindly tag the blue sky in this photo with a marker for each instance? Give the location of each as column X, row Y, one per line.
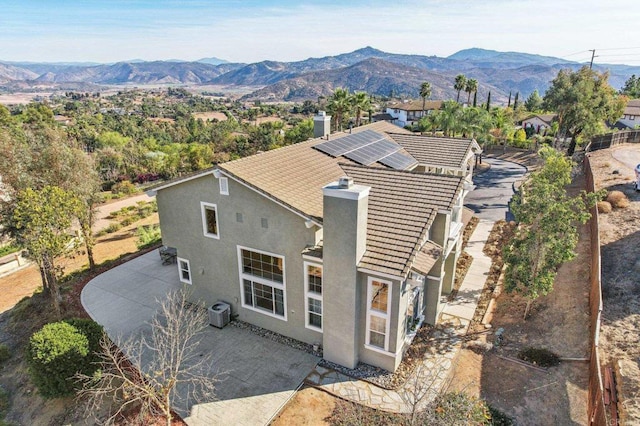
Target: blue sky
column 251, row 30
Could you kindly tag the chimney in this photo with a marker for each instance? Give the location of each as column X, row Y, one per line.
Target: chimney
column 345, row 210
column 321, row 125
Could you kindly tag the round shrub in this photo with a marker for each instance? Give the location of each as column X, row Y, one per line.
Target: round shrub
column 93, row 332
column 55, row 354
column 604, row 207
column 125, row 187
column 617, row 199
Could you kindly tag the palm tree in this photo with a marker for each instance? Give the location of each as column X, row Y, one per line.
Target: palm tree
column 460, row 84
column 339, row 105
column 360, row 101
column 449, row 118
column 425, row 92
column 471, row 87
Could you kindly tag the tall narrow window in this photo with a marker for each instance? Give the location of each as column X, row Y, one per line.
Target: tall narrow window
column 262, row 281
column 224, row 186
column 313, row 291
column 378, row 313
column 184, row 271
column 210, row 220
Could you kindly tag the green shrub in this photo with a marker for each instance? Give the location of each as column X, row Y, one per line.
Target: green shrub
column 114, row 227
column 539, row 356
column 125, row 187
column 55, row 354
column 93, row 332
column 8, row 249
column 148, row 236
column 5, row 353
column 128, row 221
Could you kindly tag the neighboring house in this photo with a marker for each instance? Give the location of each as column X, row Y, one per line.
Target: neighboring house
column 341, row 240
column 631, row 117
column 540, row 123
column 408, row 113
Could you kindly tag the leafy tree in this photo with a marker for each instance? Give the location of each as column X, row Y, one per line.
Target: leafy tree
column 300, row 132
column 533, row 102
column 360, row 102
column 546, row 236
column 43, row 219
column 471, row 87
column 459, row 85
column 425, row 92
column 583, row 101
column 631, row 87
column 448, row 118
column 339, row 106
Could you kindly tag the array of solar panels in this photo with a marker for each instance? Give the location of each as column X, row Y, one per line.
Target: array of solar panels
column 366, row 148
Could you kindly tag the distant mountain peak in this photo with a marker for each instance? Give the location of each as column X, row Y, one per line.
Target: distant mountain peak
column 368, row 50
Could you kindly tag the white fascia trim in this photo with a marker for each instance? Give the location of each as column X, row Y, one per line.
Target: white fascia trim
column 444, row 168
column 297, row 213
column 187, row 179
column 380, row 274
column 432, row 277
column 443, row 211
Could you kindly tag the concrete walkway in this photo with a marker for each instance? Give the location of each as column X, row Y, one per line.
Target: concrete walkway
column 256, row 375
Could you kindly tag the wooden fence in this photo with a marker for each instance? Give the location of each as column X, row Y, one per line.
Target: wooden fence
column 613, row 139
column 595, row 403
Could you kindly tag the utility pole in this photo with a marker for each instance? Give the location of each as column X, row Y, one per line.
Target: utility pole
column 593, row 55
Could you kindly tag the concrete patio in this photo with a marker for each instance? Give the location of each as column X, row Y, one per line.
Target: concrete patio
column 257, row 376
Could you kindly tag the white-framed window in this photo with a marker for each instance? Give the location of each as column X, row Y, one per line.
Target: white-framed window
column 313, row 295
column 210, row 223
column 262, row 282
column 378, row 313
column 224, row 186
column 184, row 270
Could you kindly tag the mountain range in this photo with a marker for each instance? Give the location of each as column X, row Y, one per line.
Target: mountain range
column 366, row 69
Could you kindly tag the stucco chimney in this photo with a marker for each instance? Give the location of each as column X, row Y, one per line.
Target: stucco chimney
column 345, row 210
column 321, row 125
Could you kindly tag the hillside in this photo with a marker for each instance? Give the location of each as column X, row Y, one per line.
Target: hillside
column 371, row 76
column 368, row 69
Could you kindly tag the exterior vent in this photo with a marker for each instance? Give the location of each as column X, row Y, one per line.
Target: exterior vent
column 345, row 182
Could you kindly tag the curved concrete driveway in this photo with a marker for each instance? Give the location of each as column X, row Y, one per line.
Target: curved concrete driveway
column 494, row 189
column 257, row 375
column 628, row 155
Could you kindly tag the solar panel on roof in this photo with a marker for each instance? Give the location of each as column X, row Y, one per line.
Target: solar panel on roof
column 349, row 143
column 398, row 161
column 371, row 153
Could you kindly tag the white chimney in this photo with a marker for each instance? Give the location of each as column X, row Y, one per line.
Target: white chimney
column 321, row 125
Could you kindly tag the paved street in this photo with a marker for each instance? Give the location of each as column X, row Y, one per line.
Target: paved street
column 494, row 188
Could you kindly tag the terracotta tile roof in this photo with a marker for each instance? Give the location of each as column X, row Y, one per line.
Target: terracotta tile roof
column 427, row 257
column 433, row 151
column 416, row 105
column 402, row 207
column 294, row 175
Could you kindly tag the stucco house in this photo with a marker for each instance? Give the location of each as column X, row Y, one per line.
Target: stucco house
column 408, row 113
column 631, row 116
column 348, row 240
column 540, row 123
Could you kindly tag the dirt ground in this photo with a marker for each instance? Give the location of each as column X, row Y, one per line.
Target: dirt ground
column 619, row 242
column 308, row 407
column 26, row 408
column 559, row 322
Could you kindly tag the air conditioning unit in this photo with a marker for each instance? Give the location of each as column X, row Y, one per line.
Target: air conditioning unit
column 219, row 314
